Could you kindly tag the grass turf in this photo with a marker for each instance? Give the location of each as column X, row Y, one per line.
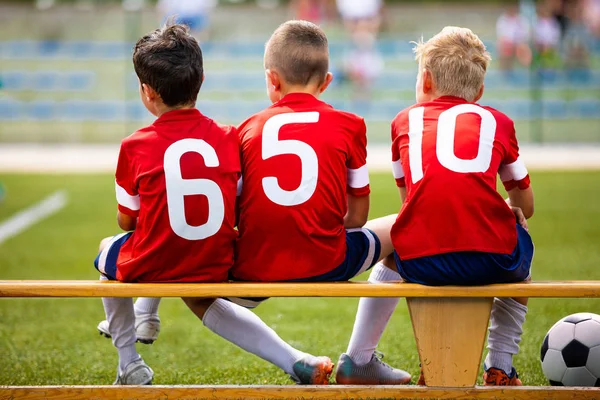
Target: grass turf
column 54, row 341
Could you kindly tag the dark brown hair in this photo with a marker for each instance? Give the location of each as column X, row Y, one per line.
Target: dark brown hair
column 169, row 60
column 298, row 51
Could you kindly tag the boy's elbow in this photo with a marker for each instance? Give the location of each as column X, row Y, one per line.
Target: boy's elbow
column 528, row 211
column 355, row 221
column 126, row 222
column 362, row 220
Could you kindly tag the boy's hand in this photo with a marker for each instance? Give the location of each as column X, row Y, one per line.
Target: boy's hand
column 521, row 220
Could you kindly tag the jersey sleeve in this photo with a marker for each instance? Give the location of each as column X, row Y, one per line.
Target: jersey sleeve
column 397, row 169
column 128, row 199
column 358, row 174
column 513, row 172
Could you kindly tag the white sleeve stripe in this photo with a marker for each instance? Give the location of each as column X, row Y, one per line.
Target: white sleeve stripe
column 240, row 184
column 397, row 169
column 513, row 171
column 358, row 178
column 127, row 200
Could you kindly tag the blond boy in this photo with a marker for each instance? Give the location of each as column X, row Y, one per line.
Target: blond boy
column 454, row 228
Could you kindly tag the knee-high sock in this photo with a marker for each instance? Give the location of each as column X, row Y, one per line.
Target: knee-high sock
column 245, row 329
column 121, row 325
column 147, row 305
column 371, row 318
column 506, row 328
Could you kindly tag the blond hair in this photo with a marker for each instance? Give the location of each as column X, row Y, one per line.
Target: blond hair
column 298, row 50
column 457, row 60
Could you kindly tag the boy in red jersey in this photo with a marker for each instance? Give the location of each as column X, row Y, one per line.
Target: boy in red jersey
column 176, row 184
column 454, row 228
column 303, row 200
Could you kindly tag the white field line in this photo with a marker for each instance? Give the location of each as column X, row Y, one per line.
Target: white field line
column 96, row 158
column 32, row 215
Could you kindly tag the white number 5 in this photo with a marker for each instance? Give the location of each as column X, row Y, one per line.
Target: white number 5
column 445, row 140
column 272, row 146
column 177, row 188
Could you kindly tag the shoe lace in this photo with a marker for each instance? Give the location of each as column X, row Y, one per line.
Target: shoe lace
column 379, row 357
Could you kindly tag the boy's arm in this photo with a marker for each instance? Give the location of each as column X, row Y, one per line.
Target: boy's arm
column 358, row 189
column 358, row 212
column 402, row 191
column 515, row 177
column 128, row 199
column 522, row 198
column 126, row 222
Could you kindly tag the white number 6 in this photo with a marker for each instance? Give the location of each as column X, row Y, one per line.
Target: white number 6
column 272, row 146
column 177, row 188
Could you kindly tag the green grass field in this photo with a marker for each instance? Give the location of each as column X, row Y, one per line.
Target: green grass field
column 52, row 342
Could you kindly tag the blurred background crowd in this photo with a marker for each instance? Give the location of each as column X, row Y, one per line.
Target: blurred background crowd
column 67, row 61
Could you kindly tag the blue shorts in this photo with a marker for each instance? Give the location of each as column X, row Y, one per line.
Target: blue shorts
column 106, row 261
column 362, row 252
column 469, row 268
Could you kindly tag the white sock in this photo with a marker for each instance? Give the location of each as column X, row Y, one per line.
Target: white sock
column 121, row 325
column 506, row 328
column 372, row 317
column 245, row 329
column 147, row 305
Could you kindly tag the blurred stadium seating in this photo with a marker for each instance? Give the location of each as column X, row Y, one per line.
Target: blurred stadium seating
column 239, row 80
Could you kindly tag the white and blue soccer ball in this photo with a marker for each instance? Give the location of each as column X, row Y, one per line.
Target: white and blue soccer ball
column 571, row 351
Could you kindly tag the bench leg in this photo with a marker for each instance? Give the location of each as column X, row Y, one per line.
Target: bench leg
column 450, row 334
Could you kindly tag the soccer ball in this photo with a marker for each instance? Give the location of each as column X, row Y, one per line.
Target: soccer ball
column 571, row 351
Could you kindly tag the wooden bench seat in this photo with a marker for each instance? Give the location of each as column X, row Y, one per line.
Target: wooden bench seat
column 449, row 322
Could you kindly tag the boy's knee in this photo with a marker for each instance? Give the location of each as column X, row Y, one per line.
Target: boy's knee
column 198, row 305
column 390, row 263
column 103, row 243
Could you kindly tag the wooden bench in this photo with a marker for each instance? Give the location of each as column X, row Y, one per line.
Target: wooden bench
column 450, row 352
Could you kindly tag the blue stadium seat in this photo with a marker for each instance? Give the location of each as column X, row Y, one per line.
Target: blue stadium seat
column 135, row 111
column 48, row 48
column 74, row 110
column 111, row 50
column 41, row 110
column 108, row 111
column 45, row 81
column 11, row 110
column 77, row 80
column 77, row 49
column 554, row 109
column 585, row 108
column 15, row 80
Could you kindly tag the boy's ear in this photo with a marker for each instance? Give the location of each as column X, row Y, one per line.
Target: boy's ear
column 273, row 79
column 202, row 80
column 150, row 93
column 479, row 95
column 326, row 82
column 427, row 79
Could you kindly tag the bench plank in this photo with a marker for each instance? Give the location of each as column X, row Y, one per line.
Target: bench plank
column 83, row 288
column 292, row 392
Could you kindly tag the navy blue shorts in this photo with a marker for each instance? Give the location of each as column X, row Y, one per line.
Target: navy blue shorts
column 469, row 268
column 362, row 252
column 106, row 261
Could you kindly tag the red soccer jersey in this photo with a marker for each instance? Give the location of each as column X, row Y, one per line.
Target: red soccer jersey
column 447, row 153
column 179, row 178
column 300, row 157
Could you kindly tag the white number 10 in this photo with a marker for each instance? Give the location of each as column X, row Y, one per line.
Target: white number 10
column 445, row 140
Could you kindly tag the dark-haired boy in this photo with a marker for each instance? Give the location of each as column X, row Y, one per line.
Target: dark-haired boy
column 176, row 184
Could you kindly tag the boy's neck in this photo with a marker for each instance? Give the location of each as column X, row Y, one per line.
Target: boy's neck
column 308, row 89
column 162, row 108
